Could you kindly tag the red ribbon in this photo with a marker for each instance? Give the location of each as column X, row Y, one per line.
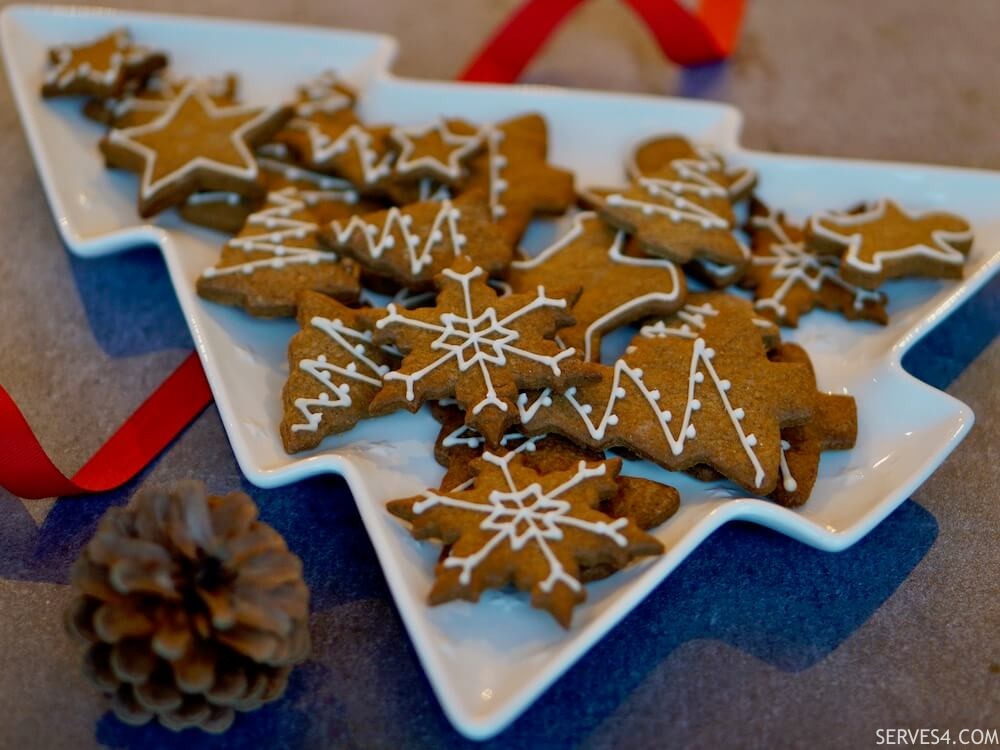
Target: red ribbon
column 688, row 38
column 26, row 471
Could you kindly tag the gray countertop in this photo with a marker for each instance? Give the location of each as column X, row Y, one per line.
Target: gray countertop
column 756, row 639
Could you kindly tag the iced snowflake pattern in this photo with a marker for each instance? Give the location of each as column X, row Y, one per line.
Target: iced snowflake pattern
column 474, row 339
column 522, row 516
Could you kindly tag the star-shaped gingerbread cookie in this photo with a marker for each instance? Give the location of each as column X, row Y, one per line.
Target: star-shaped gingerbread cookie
column 478, row 348
column 617, row 288
column 789, row 279
column 439, row 150
column 885, row 241
column 534, row 531
column 99, row 68
column 193, row 146
column 335, row 370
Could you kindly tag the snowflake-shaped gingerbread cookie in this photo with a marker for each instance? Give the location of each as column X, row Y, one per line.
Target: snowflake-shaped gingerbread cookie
column 478, row 348
column 535, row 531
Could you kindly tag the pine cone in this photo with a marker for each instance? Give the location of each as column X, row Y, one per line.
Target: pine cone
column 192, row 608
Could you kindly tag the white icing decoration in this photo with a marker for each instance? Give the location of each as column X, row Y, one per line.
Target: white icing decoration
column 616, row 256
column 475, row 339
column 666, row 199
column 470, row 438
column 361, row 369
column 322, row 96
column 528, row 515
column 792, row 263
column 787, row 480
column 714, row 162
column 496, row 161
column 345, row 189
column 942, row 252
column 692, row 317
column 124, row 137
column 277, row 217
column 419, row 256
column 323, row 149
column 213, row 197
column 405, row 163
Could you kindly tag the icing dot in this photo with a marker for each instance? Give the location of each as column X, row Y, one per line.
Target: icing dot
column 455, row 213
column 709, row 352
column 725, row 385
column 690, row 431
column 459, row 240
column 324, row 396
column 666, row 416
column 359, row 348
column 613, row 419
column 655, row 394
column 407, row 220
column 699, row 377
column 436, row 235
column 620, row 392
column 499, row 211
column 739, row 413
column 370, row 230
column 637, row 372
column 587, row 409
column 352, row 367
column 695, row 404
column 647, row 210
column 751, row 440
column 321, row 358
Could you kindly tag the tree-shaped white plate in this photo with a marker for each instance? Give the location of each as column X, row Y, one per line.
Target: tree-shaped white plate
column 488, row 662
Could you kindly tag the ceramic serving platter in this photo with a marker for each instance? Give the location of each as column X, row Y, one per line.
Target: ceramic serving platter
column 488, row 662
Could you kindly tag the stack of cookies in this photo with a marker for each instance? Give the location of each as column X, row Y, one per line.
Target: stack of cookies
column 397, row 248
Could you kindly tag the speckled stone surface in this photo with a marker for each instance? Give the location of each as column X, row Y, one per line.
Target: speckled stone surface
column 756, row 640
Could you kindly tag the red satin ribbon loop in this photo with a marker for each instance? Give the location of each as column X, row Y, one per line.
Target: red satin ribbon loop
column 27, row 472
column 688, row 38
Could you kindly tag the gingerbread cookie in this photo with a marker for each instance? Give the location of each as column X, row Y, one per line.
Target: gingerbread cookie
column 833, row 427
column 219, row 209
column 694, row 389
column 334, row 372
column 513, row 176
column 412, row 245
column 99, row 68
column 143, row 101
column 534, row 531
column 327, row 135
column 439, row 151
column 193, row 146
column 617, row 288
column 277, row 255
column 789, row 279
column 655, row 153
column 887, row 242
column 645, row 502
column 478, row 348
column 679, row 212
